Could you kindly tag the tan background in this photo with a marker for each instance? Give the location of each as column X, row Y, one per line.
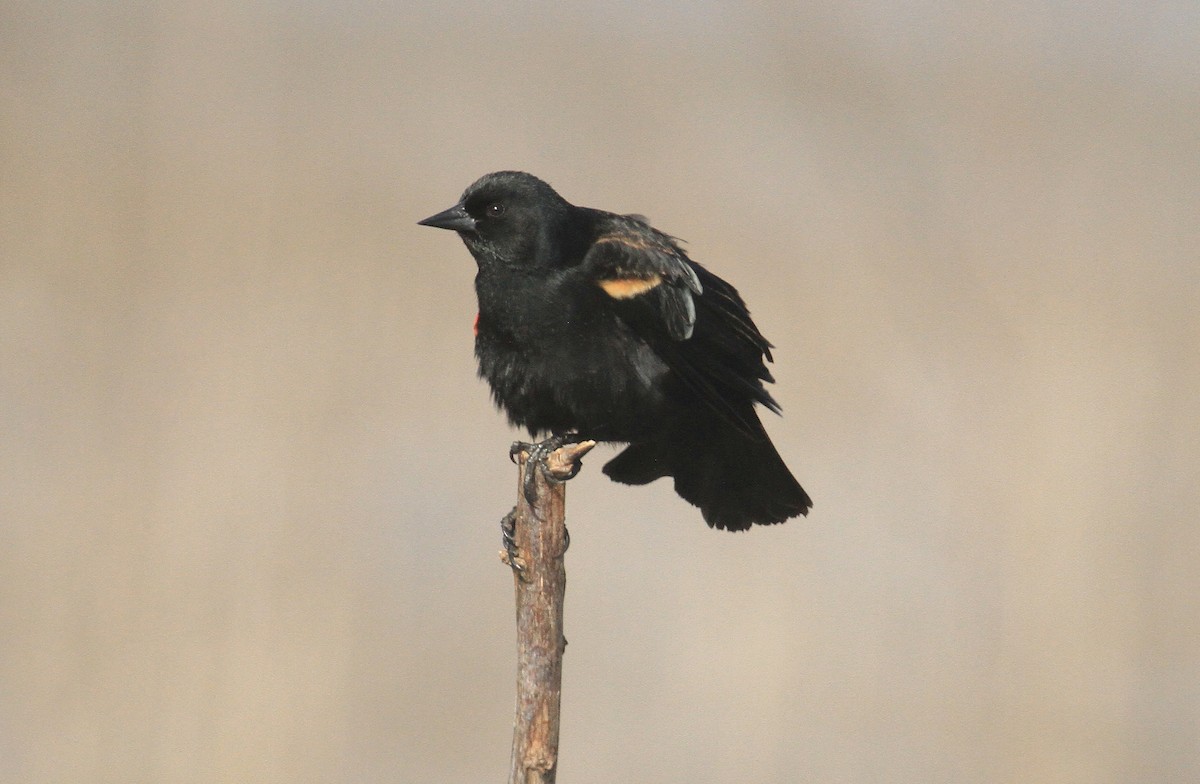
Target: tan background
column 249, row 484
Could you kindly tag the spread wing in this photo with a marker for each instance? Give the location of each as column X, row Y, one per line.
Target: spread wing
column 710, row 340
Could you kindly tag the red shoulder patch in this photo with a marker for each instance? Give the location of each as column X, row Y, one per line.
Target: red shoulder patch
column 475, row 326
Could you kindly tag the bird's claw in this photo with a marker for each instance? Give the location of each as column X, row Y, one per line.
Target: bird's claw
column 536, row 461
column 557, row 471
column 508, row 537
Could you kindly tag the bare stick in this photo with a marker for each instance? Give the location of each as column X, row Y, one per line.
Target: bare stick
column 541, row 583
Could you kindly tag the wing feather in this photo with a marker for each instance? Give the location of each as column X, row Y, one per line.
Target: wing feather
column 631, row 260
column 695, row 321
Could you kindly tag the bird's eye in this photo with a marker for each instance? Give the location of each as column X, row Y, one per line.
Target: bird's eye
column 495, row 209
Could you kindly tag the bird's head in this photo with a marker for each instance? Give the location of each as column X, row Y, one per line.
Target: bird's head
column 506, row 217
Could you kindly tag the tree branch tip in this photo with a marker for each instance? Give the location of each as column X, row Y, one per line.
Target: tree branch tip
column 561, row 464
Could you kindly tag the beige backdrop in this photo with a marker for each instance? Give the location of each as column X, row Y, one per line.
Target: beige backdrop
column 250, row 485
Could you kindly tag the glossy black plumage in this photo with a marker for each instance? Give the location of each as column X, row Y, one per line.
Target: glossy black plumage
column 600, row 324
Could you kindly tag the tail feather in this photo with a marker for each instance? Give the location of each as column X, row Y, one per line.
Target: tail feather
column 638, row 464
column 737, row 480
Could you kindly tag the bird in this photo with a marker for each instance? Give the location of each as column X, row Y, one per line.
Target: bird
column 596, row 324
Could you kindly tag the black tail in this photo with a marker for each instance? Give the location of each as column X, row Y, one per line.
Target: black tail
column 736, row 480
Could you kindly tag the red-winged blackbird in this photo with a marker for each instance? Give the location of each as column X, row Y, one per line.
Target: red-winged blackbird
column 600, row 324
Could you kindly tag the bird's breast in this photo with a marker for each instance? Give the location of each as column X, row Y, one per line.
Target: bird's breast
column 581, row 371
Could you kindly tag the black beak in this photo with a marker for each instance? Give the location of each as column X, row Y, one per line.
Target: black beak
column 454, row 219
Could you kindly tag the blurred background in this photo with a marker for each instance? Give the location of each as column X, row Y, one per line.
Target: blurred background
column 250, row 486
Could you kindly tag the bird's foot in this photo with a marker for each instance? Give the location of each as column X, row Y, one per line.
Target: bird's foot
column 511, row 554
column 508, row 537
column 559, row 459
column 538, row 455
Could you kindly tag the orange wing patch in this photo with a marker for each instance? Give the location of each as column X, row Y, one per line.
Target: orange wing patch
column 624, row 288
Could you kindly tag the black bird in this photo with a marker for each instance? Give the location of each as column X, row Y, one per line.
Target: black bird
column 599, row 324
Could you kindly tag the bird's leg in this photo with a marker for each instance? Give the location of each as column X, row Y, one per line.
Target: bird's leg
column 536, row 461
column 565, row 467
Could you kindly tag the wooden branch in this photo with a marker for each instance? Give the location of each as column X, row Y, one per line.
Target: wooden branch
column 540, row 577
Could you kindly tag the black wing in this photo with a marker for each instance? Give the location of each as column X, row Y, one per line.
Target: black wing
column 693, row 319
column 629, row 260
